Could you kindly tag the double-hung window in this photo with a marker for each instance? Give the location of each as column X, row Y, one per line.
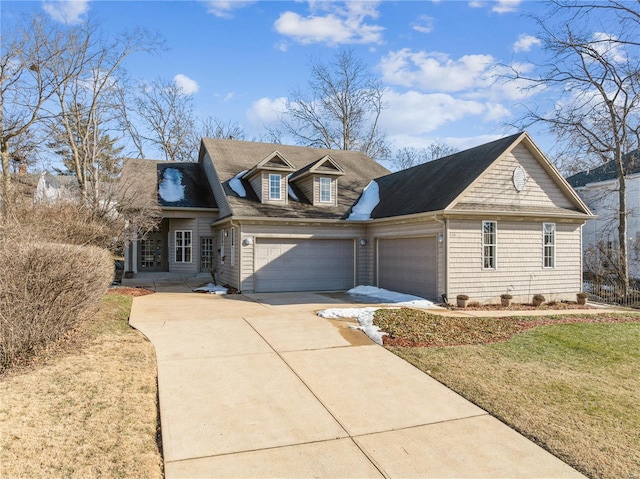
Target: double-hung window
column 183, row 246
column 549, row 245
column 325, row 190
column 275, row 192
column 489, row 244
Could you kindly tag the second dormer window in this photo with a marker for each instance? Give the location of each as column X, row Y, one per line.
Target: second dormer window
column 275, row 191
column 325, row 190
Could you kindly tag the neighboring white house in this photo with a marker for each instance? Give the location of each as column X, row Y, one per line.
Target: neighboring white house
column 598, row 188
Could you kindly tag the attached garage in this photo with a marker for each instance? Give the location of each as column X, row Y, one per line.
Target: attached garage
column 408, row 265
column 283, row 264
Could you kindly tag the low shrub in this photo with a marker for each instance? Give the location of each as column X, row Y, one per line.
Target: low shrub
column 45, row 289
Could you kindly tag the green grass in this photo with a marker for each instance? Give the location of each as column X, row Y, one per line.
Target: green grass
column 572, row 388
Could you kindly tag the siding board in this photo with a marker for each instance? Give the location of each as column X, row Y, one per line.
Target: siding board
column 495, row 186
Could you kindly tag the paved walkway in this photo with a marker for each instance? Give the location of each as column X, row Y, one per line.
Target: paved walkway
column 259, row 386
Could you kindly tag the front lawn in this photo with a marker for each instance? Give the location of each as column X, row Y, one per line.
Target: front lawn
column 569, row 383
column 86, row 407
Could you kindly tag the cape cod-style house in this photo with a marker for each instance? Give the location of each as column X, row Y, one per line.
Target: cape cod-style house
column 493, row 219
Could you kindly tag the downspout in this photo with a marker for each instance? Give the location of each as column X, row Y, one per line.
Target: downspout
column 445, row 236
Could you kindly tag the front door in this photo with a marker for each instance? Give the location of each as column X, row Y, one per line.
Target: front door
column 151, row 257
column 206, row 255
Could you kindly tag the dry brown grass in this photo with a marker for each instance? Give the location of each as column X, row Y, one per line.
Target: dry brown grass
column 572, row 388
column 87, row 408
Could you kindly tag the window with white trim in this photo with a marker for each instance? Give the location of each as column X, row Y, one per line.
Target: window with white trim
column 275, row 192
column 233, row 246
column 183, row 246
column 325, row 190
column 489, row 244
column 222, row 246
column 549, row 245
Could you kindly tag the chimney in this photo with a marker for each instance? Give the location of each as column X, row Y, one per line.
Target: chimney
column 22, row 168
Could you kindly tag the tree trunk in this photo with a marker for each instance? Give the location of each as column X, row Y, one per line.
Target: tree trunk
column 622, row 234
column 6, row 174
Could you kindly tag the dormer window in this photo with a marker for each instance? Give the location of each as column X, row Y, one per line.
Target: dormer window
column 318, row 181
column 275, row 190
column 325, row 190
column 269, row 178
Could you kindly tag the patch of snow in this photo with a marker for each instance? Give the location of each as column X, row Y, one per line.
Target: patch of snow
column 236, row 184
column 292, row 195
column 392, row 297
column 366, row 204
column 211, row 288
column 364, row 317
column 171, row 188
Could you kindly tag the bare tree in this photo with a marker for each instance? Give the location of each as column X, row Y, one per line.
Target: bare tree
column 165, row 120
column 86, row 96
column 340, row 110
column 408, row 156
column 594, row 78
column 26, row 84
column 213, row 127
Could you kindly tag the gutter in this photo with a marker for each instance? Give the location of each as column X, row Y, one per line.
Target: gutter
column 188, row 208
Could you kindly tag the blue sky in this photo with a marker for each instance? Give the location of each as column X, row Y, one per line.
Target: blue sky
column 437, row 59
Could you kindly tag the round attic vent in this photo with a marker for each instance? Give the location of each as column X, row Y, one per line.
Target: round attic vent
column 519, row 178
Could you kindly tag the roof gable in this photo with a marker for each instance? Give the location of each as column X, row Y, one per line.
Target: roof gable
column 274, row 162
column 479, row 179
column 325, row 165
column 435, row 185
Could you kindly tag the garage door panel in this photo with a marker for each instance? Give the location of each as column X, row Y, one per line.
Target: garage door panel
column 408, row 265
column 303, row 265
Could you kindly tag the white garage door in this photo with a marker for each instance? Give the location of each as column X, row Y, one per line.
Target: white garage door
column 408, row 265
column 303, row 265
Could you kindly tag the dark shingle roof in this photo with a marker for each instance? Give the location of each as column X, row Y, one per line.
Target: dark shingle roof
column 147, row 174
column 433, row 186
column 230, row 157
column 606, row 171
column 197, row 191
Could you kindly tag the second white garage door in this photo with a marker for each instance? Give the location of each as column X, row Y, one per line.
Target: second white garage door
column 408, row 265
column 303, row 265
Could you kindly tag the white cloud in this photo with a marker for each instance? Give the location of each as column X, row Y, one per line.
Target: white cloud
column 225, row 8
column 499, row 6
column 423, row 24
column 525, row 42
column 343, row 24
column 607, row 46
column 188, row 85
column 414, row 113
column 436, row 71
column 266, row 111
column 505, row 6
column 228, row 97
column 66, row 11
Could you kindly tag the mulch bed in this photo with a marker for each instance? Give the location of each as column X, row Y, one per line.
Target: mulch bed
column 129, row 291
column 411, row 328
column 520, row 307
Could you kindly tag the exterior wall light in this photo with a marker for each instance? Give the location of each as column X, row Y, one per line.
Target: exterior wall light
column 363, row 242
column 247, row 241
column 440, row 238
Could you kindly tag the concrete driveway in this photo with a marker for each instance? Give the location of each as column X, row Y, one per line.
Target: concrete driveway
column 259, row 386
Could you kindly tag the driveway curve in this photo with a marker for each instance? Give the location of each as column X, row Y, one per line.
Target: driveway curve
column 260, row 386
